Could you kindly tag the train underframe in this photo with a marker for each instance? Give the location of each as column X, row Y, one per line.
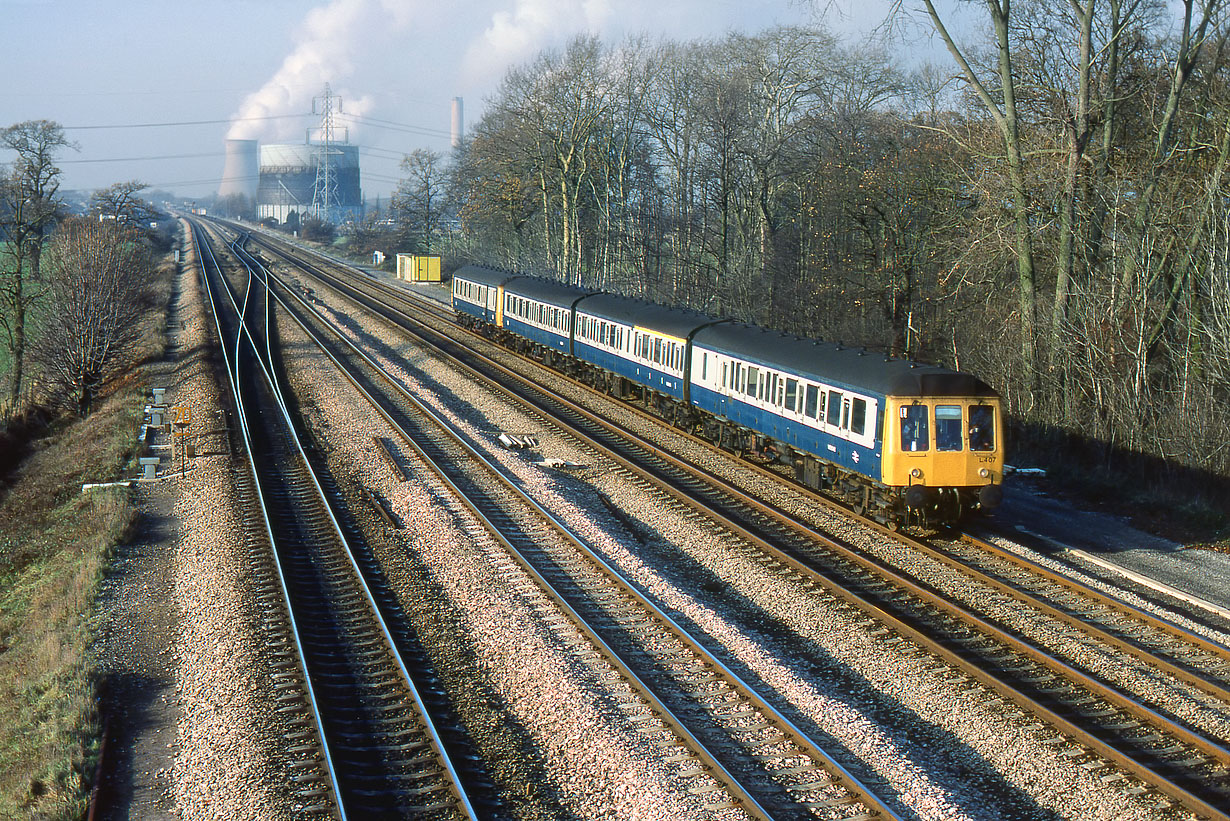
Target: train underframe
column 892, row 507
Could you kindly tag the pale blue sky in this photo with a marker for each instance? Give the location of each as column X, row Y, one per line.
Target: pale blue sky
column 90, row 63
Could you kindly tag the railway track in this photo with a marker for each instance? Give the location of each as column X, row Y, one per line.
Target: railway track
column 369, row 746
column 723, row 728
column 1123, row 732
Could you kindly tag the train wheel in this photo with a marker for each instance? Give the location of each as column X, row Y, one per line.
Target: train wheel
column 864, row 501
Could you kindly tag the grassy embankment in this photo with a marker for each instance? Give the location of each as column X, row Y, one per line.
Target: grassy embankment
column 55, row 543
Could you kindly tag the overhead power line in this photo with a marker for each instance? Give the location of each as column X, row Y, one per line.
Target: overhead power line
column 392, row 126
column 184, row 122
column 142, row 159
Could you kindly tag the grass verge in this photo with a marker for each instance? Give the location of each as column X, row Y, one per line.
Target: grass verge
column 55, row 545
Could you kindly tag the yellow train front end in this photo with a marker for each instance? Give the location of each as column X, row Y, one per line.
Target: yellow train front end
column 945, row 455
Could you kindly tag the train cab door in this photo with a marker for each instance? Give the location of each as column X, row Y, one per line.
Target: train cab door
column 948, row 426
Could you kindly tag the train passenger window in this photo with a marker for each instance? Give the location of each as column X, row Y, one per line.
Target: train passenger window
column 792, row 395
column 948, row 427
column 914, row 433
column 981, row 427
column 753, row 380
column 812, row 405
column 834, row 416
column 858, row 417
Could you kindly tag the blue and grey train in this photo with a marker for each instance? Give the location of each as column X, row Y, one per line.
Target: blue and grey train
column 901, row 441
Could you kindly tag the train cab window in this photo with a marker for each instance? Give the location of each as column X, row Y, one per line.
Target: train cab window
column 792, row 395
column 858, row 417
column 915, row 435
column 981, row 427
column 834, row 415
column 948, row 427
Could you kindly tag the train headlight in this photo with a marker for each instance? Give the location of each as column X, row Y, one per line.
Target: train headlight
column 985, row 473
column 916, row 473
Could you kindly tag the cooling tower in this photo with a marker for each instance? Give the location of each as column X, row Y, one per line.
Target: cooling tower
column 289, row 181
column 241, row 170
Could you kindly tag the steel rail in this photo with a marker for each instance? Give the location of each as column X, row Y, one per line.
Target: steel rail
column 425, row 713
column 459, row 792
column 1125, row 609
column 800, row 736
column 232, row 369
column 1213, row 750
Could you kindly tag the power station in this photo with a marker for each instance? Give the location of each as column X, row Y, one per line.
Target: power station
column 316, row 178
column 289, row 175
column 241, row 171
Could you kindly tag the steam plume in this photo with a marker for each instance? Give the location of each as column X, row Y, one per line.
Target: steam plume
column 325, row 46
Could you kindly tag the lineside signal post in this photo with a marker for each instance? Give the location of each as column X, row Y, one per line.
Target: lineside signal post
column 181, row 420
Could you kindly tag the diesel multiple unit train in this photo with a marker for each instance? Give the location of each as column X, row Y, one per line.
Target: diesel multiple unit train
column 898, row 440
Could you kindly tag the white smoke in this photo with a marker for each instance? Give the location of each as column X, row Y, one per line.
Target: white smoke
column 326, row 45
column 512, row 37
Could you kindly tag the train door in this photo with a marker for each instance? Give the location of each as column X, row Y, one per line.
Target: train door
column 495, row 304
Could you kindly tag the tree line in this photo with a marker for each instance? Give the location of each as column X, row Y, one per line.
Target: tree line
column 1047, row 209
column 73, row 289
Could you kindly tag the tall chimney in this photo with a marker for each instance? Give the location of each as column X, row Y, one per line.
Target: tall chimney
column 241, row 171
column 458, row 122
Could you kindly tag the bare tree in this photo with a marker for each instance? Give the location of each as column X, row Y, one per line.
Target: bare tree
column 29, row 207
column 120, row 202
column 997, row 91
column 97, row 289
column 417, row 201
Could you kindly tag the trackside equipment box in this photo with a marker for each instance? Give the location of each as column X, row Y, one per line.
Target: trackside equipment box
column 418, row 268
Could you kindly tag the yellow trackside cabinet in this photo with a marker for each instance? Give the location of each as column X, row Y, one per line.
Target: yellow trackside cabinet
column 418, row 267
